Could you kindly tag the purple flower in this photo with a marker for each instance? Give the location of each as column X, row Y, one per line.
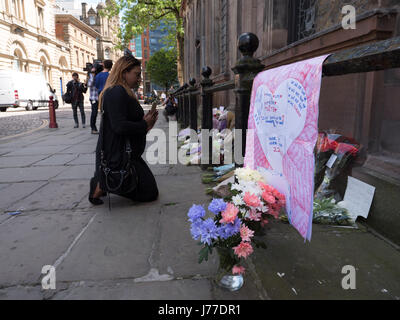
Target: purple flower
column 196, row 212
column 196, row 229
column 209, row 231
column 217, row 206
column 228, row 230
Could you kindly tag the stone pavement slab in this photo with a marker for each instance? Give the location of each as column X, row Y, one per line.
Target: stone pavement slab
column 77, row 173
column 314, row 270
column 21, row 293
column 88, row 159
column 178, row 251
column 14, row 193
column 19, row 161
column 118, row 244
column 181, row 189
column 31, row 150
column 56, row 195
column 32, row 240
column 30, row 173
column 79, row 149
column 56, row 160
column 131, row 290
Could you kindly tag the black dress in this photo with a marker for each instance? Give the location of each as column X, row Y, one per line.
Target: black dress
column 123, row 117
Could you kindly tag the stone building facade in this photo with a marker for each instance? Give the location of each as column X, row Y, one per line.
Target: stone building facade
column 28, row 41
column 81, row 40
column 360, row 106
column 36, row 37
column 106, row 27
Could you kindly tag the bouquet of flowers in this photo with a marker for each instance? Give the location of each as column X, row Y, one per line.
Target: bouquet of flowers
column 235, row 220
column 334, row 154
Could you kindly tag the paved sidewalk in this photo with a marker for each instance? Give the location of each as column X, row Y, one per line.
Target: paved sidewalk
column 145, row 251
column 133, row 252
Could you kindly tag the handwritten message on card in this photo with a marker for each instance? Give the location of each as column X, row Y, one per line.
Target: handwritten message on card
column 284, row 116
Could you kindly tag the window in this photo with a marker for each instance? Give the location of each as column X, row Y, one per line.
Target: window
column 87, row 40
column 75, row 33
column 107, row 54
column 17, row 62
column 77, row 58
column 40, row 18
column 92, row 20
column 83, row 59
column 302, row 15
column 14, row 8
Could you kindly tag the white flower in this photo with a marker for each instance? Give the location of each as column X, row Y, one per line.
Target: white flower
column 248, row 174
column 237, row 187
column 237, row 200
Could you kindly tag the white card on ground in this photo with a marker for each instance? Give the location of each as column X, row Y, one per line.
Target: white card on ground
column 358, row 198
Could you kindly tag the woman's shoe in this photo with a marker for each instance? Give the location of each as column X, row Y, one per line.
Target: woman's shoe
column 94, row 201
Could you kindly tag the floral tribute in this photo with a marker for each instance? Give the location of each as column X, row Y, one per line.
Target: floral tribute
column 235, row 221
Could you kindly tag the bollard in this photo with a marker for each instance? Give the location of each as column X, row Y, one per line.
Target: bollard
column 52, row 113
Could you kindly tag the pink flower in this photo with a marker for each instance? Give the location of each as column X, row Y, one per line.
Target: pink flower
column 251, row 200
column 230, row 214
column 238, row 270
column 255, row 215
column 266, row 187
column 246, row 233
column 244, row 249
column 268, row 197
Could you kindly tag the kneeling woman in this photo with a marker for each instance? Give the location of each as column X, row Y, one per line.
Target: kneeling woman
column 124, row 118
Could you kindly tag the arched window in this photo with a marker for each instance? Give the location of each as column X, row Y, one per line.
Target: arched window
column 17, row 62
column 107, row 54
column 43, row 68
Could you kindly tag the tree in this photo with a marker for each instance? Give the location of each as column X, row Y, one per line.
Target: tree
column 162, row 68
column 140, row 14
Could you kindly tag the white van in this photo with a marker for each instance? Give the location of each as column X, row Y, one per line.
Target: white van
column 19, row 89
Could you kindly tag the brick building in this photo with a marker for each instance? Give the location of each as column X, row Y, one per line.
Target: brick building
column 362, row 106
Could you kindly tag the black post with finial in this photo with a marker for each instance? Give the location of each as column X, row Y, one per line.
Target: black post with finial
column 185, row 105
column 246, row 70
column 207, row 120
column 192, row 105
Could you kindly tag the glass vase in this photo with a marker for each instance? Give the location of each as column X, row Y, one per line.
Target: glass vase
column 224, row 277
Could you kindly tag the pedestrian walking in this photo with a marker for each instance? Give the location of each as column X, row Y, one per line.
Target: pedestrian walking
column 76, row 89
column 122, row 138
column 94, row 100
column 101, row 78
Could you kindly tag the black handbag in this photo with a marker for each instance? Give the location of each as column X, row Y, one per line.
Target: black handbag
column 67, row 97
column 119, row 180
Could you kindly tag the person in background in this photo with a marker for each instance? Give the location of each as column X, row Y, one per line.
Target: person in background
column 77, row 89
column 101, row 78
column 94, row 100
column 170, row 109
column 163, row 97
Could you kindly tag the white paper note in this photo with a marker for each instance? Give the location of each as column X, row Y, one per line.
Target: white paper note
column 358, row 198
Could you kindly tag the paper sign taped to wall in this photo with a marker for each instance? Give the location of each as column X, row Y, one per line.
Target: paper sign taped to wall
column 283, row 119
column 358, row 198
